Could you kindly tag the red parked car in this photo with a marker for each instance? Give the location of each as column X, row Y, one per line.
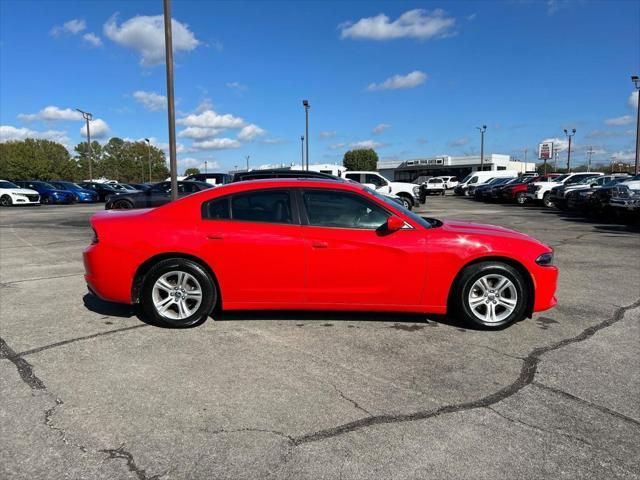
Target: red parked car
column 314, row 245
column 516, row 192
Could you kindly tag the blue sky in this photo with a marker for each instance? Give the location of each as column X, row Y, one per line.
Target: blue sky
column 409, row 78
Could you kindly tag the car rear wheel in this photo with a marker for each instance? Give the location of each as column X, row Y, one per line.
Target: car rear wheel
column 490, row 295
column 6, row 201
column 521, row 198
column 178, row 293
column 123, row 205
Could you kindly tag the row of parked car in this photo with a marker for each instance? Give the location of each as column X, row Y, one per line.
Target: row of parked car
column 592, row 194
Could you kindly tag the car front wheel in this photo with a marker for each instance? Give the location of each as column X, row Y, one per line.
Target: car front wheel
column 521, row 198
column 490, row 295
column 407, row 203
column 6, row 201
column 546, row 200
column 123, row 205
column 178, row 293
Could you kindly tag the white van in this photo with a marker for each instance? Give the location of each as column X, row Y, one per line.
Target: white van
column 478, row 178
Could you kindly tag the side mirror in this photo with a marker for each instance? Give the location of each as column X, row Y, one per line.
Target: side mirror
column 394, row 223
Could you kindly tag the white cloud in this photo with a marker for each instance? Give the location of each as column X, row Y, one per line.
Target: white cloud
column 211, row 119
column 422, row 140
column 151, row 100
column 622, row 156
column 146, row 35
column 204, row 105
column 72, row 27
column 381, row 127
column 250, row 132
column 633, row 100
column 367, row 144
column 98, row 129
column 9, row 132
column 237, row 86
column 559, row 144
column 198, row 133
column 623, row 120
column 327, row 134
column 471, row 17
column 416, row 23
column 51, row 114
column 410, row 80
column 217, row 144
column 92, row 39
column 459, row 142
column 336, row 146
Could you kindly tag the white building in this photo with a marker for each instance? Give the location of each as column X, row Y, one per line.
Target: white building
column 447, row 165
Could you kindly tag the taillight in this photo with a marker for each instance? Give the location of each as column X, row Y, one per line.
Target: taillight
column 94, row 240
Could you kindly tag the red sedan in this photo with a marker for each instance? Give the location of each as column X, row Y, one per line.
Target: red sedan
column 313, row 245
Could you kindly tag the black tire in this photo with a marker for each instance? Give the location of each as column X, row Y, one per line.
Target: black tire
column 122, row 205
column 521, row 198
column 207, row 285
column 45, row 200
column 6, row 201
column 465, row 282
column 407, row 202
column 546, row 200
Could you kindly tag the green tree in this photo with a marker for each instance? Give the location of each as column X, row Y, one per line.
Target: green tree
column 361, row 159
column 191, row 171
column 36, row 159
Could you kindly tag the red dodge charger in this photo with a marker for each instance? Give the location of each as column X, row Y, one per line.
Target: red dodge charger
column 314, row 245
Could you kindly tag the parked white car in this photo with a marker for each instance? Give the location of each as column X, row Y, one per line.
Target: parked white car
column 450, row 182
column 475, row 179
column 11, row 194
column 435, row 186
column 541, row 191
column 408, row 192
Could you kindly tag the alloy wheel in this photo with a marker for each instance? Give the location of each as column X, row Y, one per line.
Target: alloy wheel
column 176, row 295
column 492, row 298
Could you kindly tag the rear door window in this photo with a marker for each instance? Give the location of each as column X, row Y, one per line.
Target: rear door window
column 271, row 206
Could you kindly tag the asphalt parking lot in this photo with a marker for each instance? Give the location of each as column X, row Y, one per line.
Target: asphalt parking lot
column 91, row 391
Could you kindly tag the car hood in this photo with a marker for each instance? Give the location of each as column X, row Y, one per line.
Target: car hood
column 470, row 228
column 22, row 191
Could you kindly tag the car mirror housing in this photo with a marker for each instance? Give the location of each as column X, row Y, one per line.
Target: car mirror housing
column 394, row 223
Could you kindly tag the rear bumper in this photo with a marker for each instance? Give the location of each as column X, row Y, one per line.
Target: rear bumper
column 107, row 273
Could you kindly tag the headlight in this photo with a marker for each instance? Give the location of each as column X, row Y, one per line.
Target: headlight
column 545, row 259
column 416, row 191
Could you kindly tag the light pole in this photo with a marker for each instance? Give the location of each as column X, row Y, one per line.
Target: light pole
column 205, row 166
column 569, row 136
column 88, row 116
column 305, row 104
column 482, row 130
column 589, row 153
column 302, row 151
column 148, row 158
column 636, row 81
column 168, row 50
column 248, row 162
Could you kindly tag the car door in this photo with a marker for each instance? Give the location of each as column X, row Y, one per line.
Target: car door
column 157, row 195
column 254, row 243
column 351, row 260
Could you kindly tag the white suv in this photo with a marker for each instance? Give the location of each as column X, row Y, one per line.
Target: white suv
column 541, row 191
column 408, row 192
column 450, row 182
column 11, row 194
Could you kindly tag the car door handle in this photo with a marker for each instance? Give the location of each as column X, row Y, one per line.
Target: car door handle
column 215, row 236
column 319, row 244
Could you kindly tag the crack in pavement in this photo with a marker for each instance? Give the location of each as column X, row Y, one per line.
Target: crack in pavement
column 352, row 402
column 526, row 377
column 603, row 409
column 25, row 370
column 43, row 278
column 121, row 453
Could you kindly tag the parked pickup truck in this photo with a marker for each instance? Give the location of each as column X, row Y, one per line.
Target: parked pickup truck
column 408, row 192
column 541, row 191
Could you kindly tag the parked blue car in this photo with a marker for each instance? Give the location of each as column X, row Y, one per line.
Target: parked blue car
column 83, row 195
column 48, row 193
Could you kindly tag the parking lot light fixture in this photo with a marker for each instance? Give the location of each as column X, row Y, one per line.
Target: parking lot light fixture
column 87, row 117
column 569, row 136
column 148, row 157
column 482, row 130
column 305, row 104
column 636, row 81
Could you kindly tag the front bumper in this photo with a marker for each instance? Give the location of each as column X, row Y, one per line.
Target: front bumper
column 545, row 282
column 25, row 199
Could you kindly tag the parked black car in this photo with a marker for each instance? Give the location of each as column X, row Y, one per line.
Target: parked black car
column 104, row 190
column 483, row 192
column 157, row 195
column 212, row 178
column 141, row 186
column 278, row 173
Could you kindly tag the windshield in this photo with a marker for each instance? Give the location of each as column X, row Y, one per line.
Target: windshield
column 560, row 178
column 388, row 200
column 66, row 185
column 44, row 185
column 8, row 185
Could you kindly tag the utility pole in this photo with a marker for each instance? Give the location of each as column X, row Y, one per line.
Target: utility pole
column 636, row 81
column 302, row 151
column 555, row 160
column 168, row 48
column 205, row 166
column 482, row 130
column 589, row 153
column 248, row 162
column 569, row 136
column 148, row 158
column 305, row 104
column 88, row 116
